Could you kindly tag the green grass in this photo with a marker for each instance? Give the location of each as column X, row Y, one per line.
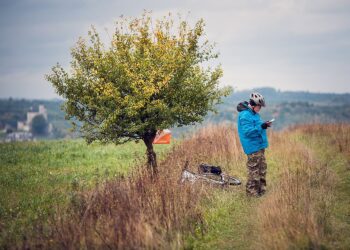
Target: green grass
column 226, row 222
column 228, row 212
column 230, row 217
column 36, row 176
column 328, row 154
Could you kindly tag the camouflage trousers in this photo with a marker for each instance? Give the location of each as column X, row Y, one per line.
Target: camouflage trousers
column 256, row 184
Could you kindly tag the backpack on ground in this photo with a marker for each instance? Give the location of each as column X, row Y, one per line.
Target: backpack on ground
column 204, row 168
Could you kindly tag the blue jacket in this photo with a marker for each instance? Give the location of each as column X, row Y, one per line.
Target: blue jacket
column 252, row 136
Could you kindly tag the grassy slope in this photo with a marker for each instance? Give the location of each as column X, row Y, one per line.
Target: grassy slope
column 34, row 176
column 236, row 222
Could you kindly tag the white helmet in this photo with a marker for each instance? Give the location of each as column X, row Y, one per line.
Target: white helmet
column 257, row 98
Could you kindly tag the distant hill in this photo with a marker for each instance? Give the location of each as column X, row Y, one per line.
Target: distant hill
column 274, row 96
column 287, row 107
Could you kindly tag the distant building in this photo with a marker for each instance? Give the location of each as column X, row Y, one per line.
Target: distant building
column 26, row 125
column 22, row 126
column 19, row 136
column 8, row 129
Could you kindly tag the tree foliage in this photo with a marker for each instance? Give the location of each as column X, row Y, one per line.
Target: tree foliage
column 150, row 77
column 39, row 125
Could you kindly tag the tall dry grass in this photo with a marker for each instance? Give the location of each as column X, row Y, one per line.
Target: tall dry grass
column 298, row 212
column 338, row 135
column 139, row 211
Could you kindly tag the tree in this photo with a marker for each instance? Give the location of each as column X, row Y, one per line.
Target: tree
column 151, row 77
column 39, row 125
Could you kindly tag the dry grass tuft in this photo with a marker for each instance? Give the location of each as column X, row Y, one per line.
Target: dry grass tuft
column 140, row 211
column 297, row 214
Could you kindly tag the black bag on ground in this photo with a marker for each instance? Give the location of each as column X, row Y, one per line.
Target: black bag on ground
column 206, row 168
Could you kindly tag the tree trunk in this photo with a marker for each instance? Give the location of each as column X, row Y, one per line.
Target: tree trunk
column 151, row 155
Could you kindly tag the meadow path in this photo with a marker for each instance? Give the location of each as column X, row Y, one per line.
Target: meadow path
column 308, row 203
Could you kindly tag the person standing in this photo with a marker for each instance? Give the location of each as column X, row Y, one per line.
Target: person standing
column 253, row 137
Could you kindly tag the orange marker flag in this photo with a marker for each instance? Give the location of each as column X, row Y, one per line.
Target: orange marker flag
column 162, row 137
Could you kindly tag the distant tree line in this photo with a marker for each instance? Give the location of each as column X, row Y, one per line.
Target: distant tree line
column 289, row 107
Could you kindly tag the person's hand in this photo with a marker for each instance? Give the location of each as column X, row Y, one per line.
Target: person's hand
column 266, row 125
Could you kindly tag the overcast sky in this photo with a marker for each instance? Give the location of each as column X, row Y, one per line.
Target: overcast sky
column 285, row 44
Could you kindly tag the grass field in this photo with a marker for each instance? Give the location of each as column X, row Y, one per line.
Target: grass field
column 308, row 201
column 307, row 205
column 37, row 176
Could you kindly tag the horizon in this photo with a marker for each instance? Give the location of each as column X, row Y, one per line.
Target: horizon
column 58, row 98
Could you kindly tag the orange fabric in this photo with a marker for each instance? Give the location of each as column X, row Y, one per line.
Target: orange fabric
column 162, row 138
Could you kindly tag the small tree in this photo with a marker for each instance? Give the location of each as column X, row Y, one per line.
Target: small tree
column 39, row 125
column 151, row 77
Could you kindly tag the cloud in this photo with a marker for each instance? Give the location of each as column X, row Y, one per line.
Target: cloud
column 31, row 85
column 270, row 19
column 289, row 44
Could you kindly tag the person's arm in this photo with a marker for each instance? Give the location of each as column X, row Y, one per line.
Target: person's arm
column 248, row 127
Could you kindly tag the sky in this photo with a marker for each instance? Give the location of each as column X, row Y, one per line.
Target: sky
column 286, row 44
